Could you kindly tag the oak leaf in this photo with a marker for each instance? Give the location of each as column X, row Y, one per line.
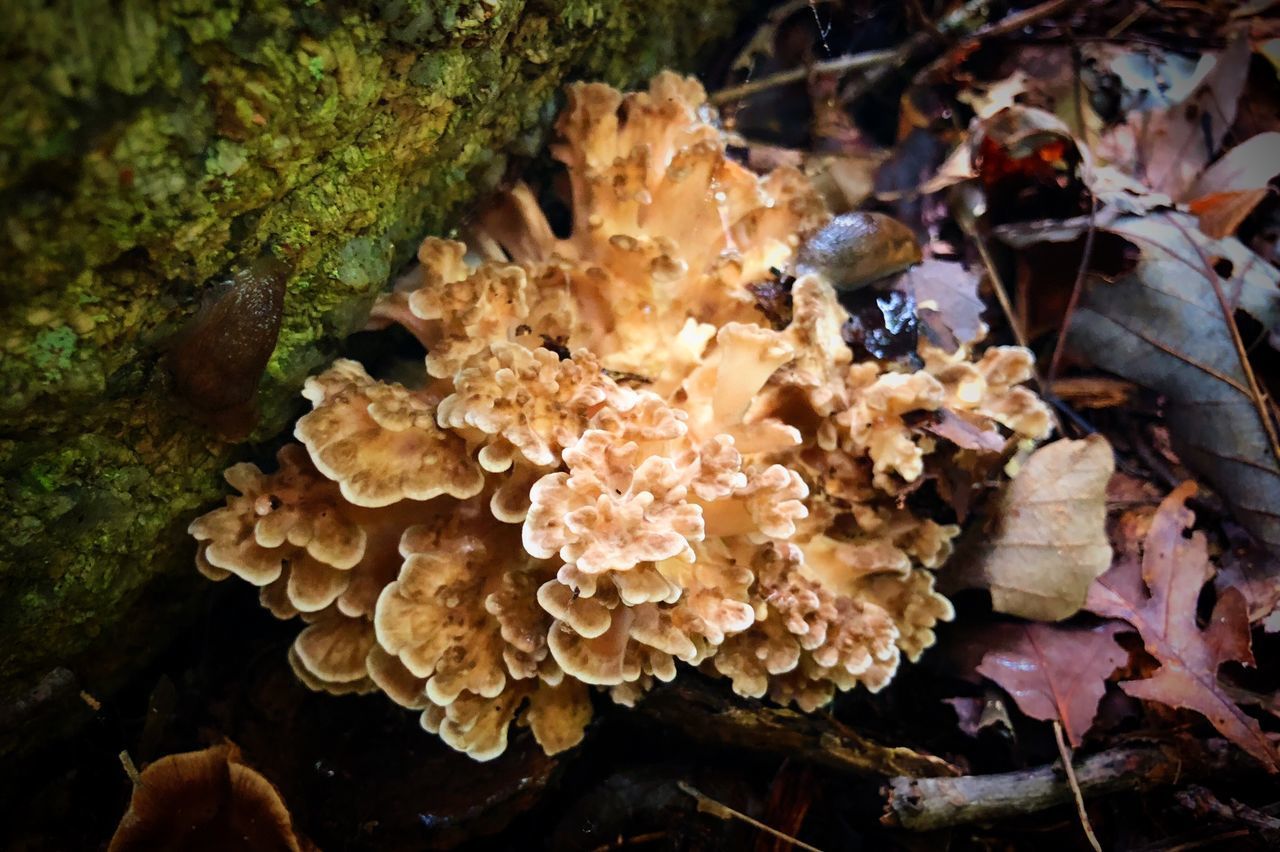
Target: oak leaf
column 1050, row 539
column 1159, row 599
column 1055, row 672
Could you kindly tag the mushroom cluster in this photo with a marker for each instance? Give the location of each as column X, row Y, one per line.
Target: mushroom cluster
column 616, row 461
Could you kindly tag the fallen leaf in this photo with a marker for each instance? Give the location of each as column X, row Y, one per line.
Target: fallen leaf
column 947, row 302
column 1159, row 599
column 964, row 432
column 1250, row 165
column 1232, row 187
column 1163, row 326
column 844, row 181
column 1254, row 574
column 1176, row 112
column 1221, row 213
column 1055, row 672
column 973, row 715
column 1050, row 539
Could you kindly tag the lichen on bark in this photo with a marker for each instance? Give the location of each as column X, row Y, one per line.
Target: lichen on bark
column 147, row 150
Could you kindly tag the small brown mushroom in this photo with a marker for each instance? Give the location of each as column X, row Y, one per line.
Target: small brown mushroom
column 205, row 800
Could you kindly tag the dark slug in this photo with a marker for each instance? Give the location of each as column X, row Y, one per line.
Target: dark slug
column 855, row 249
column 217, row 360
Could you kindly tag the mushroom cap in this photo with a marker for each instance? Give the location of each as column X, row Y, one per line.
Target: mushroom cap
column 380, row 442
column 619, row 460
column 205, row 800
column 529, row 403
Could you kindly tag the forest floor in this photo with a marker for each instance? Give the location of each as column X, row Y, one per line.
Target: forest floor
column 1108, row 173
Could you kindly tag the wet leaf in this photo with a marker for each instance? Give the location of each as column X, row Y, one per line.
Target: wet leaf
column 1055, row 672
column 1158, row 597
column 1164, row 327
column 1050, row 540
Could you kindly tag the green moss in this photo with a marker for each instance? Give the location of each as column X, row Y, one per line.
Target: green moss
column 146, row 149
column 51, row 352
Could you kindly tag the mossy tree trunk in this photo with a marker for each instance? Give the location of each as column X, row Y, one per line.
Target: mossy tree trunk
column 150, row 147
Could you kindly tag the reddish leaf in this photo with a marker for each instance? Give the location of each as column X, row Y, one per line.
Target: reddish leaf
column 1055, row 672
column 1160, row 602
column 1256, row 575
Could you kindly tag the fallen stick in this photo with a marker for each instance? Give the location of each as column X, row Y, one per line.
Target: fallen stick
column 710, row 713
column 925, row 804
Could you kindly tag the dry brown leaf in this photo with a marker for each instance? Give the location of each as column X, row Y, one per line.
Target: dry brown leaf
column 1050, row 540
column 1221, row 213
column 1159, row 599
column 1164, row 326
column 1055, row 672
column 1232, row 187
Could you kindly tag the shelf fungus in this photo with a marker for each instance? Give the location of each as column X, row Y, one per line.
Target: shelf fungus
column 619, row 461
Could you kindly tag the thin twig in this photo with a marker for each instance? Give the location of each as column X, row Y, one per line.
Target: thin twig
column 997, row 284
column 1076, row 289
column 838, row 65
column 966, row 18
column 130, row 769
column 926, row 804
column 1012, row 23
column 1067, row 757
column 708, row 805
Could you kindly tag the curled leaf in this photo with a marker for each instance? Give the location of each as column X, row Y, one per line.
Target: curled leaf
column 1050, row 540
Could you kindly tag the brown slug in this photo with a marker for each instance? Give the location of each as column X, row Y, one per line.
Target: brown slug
column 217, row 360
column 855, row 249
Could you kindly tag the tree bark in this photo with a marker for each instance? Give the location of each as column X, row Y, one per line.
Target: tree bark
column 149, row 149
